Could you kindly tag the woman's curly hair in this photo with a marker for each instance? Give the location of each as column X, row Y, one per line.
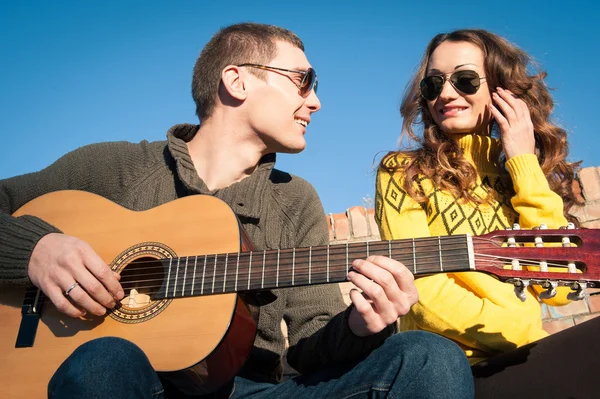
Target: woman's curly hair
column 441, row 160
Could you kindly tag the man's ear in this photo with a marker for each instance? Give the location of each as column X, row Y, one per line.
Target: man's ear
column 232, row 78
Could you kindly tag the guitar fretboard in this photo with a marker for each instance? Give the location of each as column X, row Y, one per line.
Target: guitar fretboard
column 270, row 269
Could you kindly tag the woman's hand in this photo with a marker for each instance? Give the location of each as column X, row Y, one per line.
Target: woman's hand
column 514, row 120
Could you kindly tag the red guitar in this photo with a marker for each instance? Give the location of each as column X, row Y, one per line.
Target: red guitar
column 183, row 269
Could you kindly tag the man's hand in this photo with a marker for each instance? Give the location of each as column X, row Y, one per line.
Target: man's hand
column 59, row 261
column 389, row 291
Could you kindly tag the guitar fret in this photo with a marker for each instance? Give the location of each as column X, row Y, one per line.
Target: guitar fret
column 347, row 260
column 168, row 276
column 262, row 280
column 390, row 249
column 176, row 276
column 367, row 249
column 214, row 273
column 184, row 276
column 277, row 276
column 293, row 264
column 203, row 275
column 194, row 278
column 249, row 269
column 237, row 269
column 225, row 272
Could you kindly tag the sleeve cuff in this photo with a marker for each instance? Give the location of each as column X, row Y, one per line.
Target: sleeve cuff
column 18, row 238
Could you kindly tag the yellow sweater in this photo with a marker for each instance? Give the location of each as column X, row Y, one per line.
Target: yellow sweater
column 478, row 312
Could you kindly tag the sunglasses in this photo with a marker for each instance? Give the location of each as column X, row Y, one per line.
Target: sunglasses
column 309, row 77
column 467, row 82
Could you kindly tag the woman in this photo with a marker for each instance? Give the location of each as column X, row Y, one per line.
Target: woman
column 489, row 157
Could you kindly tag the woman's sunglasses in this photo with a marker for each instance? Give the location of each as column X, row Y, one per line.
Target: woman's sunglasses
column 309, row 79
column 467, row 82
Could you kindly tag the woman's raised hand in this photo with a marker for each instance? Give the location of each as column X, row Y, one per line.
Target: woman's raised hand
column 514, row 120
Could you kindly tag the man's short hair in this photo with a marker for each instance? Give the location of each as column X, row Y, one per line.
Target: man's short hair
column 233, row 45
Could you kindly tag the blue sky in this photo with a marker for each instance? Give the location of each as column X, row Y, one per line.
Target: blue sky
column 74, row 73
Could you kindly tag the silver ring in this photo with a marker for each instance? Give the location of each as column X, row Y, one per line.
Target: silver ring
column 71, row 288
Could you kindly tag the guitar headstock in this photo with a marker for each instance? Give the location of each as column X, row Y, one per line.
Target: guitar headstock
column 546, row 257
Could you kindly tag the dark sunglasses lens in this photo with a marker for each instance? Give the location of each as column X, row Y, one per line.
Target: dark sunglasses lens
column 308, row 82
column 431, row 87
column 466, row 81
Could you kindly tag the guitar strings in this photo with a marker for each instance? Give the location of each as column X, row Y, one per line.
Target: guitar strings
column 219, row 282
column 428, row 262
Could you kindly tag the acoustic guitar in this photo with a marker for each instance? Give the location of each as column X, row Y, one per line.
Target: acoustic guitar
column 190, row 274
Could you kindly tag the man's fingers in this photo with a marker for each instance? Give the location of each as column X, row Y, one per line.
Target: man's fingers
column 81, row 298
column 388, row 273
column 74, row 292
column 61, row 302
column 104, row 280
column 379, row 302
column 94, row 289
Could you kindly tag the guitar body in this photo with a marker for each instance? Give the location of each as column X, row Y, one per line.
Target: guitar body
column 201, row 342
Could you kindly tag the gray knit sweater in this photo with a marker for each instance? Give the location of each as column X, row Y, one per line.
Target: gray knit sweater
column 277, row 210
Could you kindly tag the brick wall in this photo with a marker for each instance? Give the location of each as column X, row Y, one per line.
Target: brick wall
column 358, row 224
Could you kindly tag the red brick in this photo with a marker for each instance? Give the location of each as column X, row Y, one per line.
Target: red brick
column 579, row 213
column 590, row 182
column 583, row 319
column 341, row 226
column 571, row 309
column 356, row 214
column 329, row 219
column 595, row 224
column 555, row 326
column 592, row 212
column 593, row 302
column 373, row 224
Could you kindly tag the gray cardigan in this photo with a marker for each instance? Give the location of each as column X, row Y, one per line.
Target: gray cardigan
column 277, row 210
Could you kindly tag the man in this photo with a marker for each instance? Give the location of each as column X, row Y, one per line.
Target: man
column 255, row 93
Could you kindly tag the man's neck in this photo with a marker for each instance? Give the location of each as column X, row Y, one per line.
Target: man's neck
column 223, row 154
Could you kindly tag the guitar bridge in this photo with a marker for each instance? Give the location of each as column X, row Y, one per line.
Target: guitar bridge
column 30, row 317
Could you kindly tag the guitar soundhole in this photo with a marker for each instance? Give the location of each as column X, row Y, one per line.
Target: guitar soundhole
column 142, row 274
column 140, row 280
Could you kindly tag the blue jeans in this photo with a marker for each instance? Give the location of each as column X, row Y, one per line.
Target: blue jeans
column 412, row 364
column 106, row 368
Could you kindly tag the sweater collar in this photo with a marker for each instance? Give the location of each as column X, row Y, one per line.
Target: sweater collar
column 244, row 197
column 482, row 151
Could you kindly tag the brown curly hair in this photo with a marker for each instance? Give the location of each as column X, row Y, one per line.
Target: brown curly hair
column 441, row 160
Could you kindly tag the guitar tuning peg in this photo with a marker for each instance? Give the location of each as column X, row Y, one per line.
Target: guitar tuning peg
column 520, row 288
column 542, row 226
column 550, row 292
column 516, row 226
column 578, row 292
column 569, row 226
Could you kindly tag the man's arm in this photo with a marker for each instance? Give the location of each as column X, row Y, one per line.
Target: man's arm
column 319, row 339
column 32, row 250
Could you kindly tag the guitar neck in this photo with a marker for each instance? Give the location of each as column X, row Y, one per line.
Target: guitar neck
column 270, row 269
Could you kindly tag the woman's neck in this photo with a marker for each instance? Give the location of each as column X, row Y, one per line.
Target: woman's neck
column 481, row 151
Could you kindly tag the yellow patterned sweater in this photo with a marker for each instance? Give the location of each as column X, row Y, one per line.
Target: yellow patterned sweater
column 475, row 310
